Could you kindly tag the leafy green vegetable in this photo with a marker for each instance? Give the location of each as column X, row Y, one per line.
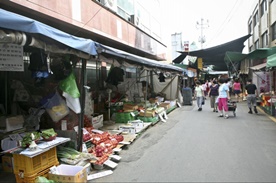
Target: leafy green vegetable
column 48, row 133
column 67, row 152
column 27, row 139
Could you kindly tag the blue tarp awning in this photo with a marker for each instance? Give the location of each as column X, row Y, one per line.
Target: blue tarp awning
column 12, row 21
column 136, row 59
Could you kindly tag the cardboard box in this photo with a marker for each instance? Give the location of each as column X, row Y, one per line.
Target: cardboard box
column 149, row 113
column 7, row 163
column 165, row 105
column 130, row 107
column 153, row 100
column 97, row 121
column 14, row 123
column 69, row 173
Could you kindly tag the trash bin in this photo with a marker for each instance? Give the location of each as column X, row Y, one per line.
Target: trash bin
column 187, row 96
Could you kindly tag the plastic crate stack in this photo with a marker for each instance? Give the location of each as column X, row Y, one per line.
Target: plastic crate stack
column 27, row 169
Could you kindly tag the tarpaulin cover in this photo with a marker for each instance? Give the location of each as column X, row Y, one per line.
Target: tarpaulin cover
column 214, row 55
column 9, row 20
column 271, row 61
column 135, row 59
column 258, row 67
column 256, row 54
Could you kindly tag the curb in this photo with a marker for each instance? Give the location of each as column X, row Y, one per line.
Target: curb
column 269, row 116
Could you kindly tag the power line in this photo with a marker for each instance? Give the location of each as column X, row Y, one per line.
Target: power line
column 227, row 19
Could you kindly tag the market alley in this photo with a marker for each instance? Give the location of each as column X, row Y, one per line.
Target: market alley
column 198, row 146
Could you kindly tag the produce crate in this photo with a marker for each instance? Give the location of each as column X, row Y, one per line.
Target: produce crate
column 148, row 119
column 31, row 179
column 27, row 167
column 124, row 117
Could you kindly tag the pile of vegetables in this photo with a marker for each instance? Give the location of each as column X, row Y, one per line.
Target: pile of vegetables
column 72, row 156
column 27, row 139
column 49, row 133
column 67, row 152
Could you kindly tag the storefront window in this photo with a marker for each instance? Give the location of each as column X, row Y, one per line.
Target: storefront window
column 273, row 30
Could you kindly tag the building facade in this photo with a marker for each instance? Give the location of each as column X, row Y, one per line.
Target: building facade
column 128, row 25
column 262, row 25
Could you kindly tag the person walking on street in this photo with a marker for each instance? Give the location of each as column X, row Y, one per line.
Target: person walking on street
column 199, row 95
column 237, row 89
column 204, row 88
column 252, row 93
column 223, row 98
column 213, row 94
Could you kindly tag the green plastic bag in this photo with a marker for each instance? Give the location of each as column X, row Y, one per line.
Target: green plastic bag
column 69, row 86
column 41, row 179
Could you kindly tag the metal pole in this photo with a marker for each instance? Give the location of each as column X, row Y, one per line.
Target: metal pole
column 270, row 92
column 82, row 97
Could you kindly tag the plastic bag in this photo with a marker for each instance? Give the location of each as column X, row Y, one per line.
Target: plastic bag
column 69, row 86
column 41, row 179
column 56, row 107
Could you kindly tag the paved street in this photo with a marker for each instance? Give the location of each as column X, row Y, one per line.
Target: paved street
column 195, row 146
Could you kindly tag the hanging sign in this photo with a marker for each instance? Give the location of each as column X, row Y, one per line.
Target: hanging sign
column 199, row 63
column 186, row 46
column 11, row 57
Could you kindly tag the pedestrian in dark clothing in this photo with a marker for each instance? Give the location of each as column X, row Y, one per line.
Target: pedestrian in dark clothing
column 252, row 93
column 213, row 94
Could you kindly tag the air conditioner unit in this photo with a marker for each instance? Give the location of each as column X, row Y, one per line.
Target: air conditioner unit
column 135, row 20
column 111, row 4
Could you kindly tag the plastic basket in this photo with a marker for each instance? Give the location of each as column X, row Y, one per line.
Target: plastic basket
column 27, row 167
column 32, row 178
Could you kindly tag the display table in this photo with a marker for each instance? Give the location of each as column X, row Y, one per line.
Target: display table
column 44, row 146
column 30, row 164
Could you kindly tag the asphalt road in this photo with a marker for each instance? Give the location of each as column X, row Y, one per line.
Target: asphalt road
column 195, row 146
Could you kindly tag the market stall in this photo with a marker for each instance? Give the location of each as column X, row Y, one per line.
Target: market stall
column 62, row 84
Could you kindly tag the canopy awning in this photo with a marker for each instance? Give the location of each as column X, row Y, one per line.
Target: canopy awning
column 134, row 59
column 17, row 22
column 258, row 67
column 215, row 55
column 255, row 54
column 271, row 61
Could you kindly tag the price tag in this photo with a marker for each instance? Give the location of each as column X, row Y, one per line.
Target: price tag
column 98, row 175
column 132, row 114
column 142, row 110
column 124, row 142
column 110, row 163
column 165, row 115
column 84, row 148
column 115, row 157
column 97, row 131
column 161, row 118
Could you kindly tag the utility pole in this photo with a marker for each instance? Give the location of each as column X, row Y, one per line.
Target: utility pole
column 202, row 25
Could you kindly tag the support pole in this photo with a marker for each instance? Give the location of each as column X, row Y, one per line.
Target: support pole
column 82, row 101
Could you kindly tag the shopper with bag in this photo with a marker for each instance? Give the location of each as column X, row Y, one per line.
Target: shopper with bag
column 223, row 98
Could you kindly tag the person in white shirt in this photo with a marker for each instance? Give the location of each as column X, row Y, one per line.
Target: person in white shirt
column 223, row 98
column 199, row 94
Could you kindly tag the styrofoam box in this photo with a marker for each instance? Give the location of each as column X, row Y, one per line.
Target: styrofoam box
column 137, row 123
column 69, row 173
column 128, row 129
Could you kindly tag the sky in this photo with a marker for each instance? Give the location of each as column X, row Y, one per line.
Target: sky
column 227, row 19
